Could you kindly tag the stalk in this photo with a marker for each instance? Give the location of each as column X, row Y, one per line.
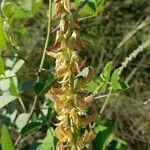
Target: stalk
column 74, row 118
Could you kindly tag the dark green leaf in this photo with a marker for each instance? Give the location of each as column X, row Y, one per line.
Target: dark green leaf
column 104, row 136
column 30, row 127
column 6, row 140
column 48, row 142
column 27, row 85
column 44, row 84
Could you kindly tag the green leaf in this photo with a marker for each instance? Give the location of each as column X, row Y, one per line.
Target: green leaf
column 6, row 140
column 104, row 78
column 13, row 89
column 91, row 86
column 48, row 142
column 104, row 136
column 1, row 65
column 87, row 10
column 30, row 127
column 35, row 6
column 2, row 36
column 107, row 70
column 99, row 5
column 91, row 8
column 44, row 84
column 116, row 83
column 7, row 8
column 118, row 144
column 6, row 99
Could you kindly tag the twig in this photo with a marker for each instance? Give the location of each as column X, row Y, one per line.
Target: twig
column 41, row 65
column 106, row 100
column 22, row 104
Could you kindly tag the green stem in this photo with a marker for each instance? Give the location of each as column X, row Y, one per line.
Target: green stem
column 106, row 101
column 41, row 64
column 44, row 54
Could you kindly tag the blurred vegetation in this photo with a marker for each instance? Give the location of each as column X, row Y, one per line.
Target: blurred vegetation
column 101, row 37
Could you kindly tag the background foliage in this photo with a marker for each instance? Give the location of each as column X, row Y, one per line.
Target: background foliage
column 108, row 36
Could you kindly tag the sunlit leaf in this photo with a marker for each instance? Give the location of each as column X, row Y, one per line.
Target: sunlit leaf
column 18, row 65
column 7, row 8
column 2, row 36
column 1, row 65
column 91, row 86
column 5, row 80
column 84, row 72
column 12, row 88
column 48, row 142
column 6, row 142
column 21, row 120
column 6, row 99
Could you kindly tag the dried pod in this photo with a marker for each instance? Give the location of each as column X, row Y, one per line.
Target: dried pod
column 67, row 5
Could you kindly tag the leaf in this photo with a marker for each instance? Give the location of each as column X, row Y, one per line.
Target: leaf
column 87, row 10
column 13, row 89
column 18, row 65
column 104, row 136
column 1, row 65
column 107, row 70
column 5, row 80
column 6, row 140
column 99, row 5
column 118, row 144
column 21, row 120
column 91, row 8
column 30, row 127
column 6, row 99
column 27, row 5
column 27, row 85
column 104, row 77
column 2, row 36
column 116, row 83
column 91, row 86
column 35, row 6
column 83, row 73
column 44, row 84
column 48, row 142
column 7, row 8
